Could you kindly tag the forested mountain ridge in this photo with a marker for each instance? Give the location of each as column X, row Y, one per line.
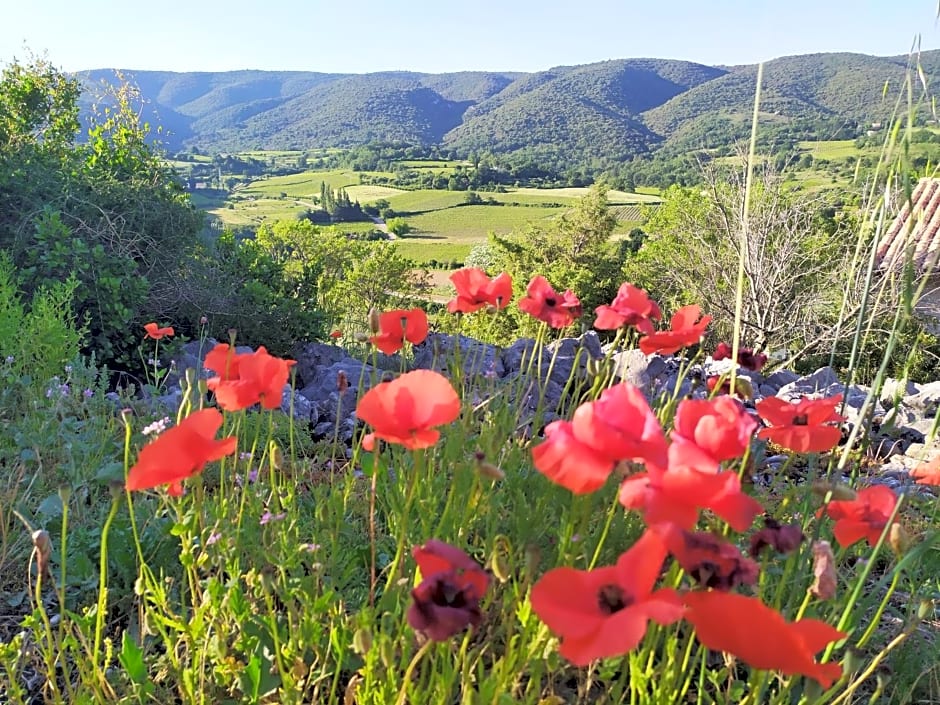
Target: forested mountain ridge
column 610, row 110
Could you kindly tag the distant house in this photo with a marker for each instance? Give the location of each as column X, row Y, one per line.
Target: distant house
column 915, row 233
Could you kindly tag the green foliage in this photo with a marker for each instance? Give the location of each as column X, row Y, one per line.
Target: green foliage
column 398, row 226
column 106, row 211
column 37, row 341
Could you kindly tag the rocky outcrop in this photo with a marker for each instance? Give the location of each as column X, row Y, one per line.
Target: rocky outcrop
column 900, row 419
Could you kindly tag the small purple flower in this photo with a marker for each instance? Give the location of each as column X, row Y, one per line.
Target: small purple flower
column 309, row 547
column 213, row 538
column 88, row 394
column 268, row 517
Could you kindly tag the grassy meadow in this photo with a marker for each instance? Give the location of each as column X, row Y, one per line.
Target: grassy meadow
column 444, row 228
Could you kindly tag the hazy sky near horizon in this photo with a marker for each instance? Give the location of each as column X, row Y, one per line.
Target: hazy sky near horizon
column 443, row 35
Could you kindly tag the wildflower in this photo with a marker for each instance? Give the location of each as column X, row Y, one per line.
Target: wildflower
column 213, row 538
column 203, row 320
column 88, row 394
column 684, row 332
column 802, row 427
column 825, row 579
column 268, row 517
column 180, row 452
column 750, row 630
column 157, row 427
column 864, row 517
column 604, row 612
column 336, row 334
column 927, row 473
column 581, row 454
column 709, row 560
column 747, row 358
column 309, row 547
column 406, row 410
column 542, row 302
column 10, row 359
column 719, row 427
column 247, row 379
column 677, row 494
column 568, row 462
column 156, row 333
column 475, row 290
column 447, row 600
column 783, row 538
column 395, row 327
column 630, row 307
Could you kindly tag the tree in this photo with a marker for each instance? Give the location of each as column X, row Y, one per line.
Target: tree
column 398, row 227
column 791, row 265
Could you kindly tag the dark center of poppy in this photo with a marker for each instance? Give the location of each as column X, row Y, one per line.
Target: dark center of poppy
column 802, row 420
column 611, row 599
column 550, row 301
column 446, row 594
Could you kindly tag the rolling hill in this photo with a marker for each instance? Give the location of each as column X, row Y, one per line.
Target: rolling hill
column 610, row 110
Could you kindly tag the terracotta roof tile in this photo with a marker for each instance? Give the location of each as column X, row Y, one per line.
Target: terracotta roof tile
column 916, row 228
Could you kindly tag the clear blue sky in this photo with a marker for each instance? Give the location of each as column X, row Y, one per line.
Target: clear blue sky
column 449, row 35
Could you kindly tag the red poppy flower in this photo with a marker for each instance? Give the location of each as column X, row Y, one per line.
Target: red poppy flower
column 684, row 332
column 630, row 307
column 475, row 290
column 927, row 473
column 180, row 452
column 802, row 427
column 247, row 379
column 720, row 427
column 395, row 327
column 405, row 410
column 622, row 425
column 750, row 630
column 711, row 561
column 447, row 600
column 156, row 333
column 604, row 612
column 223, row 360
column 544, row 303
column 568, row 462
column 676, row 495
column 581, row 454
column 747, row 358
column 864, row 517
column 336, row 334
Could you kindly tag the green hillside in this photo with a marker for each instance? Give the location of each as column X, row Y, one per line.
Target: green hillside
column 569, row 116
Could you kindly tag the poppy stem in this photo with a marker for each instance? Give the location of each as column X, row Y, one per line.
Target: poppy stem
column 403, row 692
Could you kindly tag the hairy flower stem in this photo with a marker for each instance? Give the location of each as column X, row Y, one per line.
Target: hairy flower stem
column 403, row 692
column 102, row 605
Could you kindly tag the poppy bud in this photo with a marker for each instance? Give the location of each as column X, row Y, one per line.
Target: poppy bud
column 42, row 544
column 491, row 309
column 924, row 609
column 899, row 539
column 824, row 570
column 342, row 382
column 499, row 564
column 362, row 641
column 840, row 493
column 203, row 321
column 487, row 469
column 374, row 321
